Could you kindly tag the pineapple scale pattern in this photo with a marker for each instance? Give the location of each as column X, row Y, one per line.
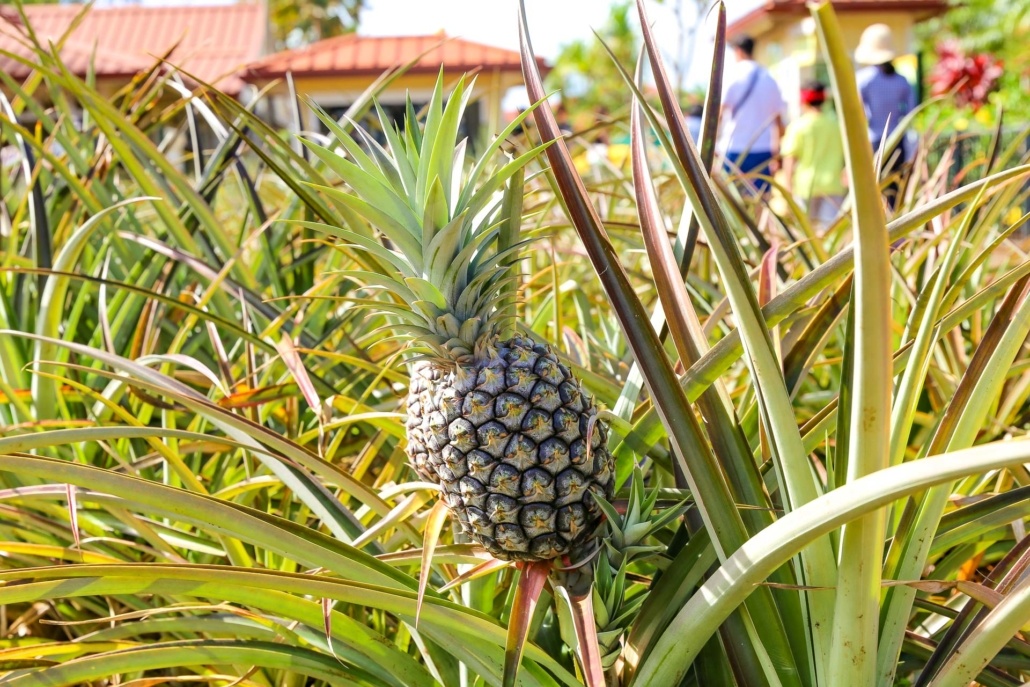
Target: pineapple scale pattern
column 506, row 439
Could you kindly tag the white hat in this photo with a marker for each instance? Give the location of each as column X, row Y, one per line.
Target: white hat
column 876, row 45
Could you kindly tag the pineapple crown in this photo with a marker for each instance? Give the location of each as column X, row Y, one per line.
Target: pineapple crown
column 448, row 233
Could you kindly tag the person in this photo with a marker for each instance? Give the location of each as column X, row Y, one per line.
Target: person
column 694, row 116
column 561, row 116
column 752, row 111
column 813, row 157
column 887, row 95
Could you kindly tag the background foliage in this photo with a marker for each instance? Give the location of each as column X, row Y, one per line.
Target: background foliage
column 300, row 23
column 997, row 29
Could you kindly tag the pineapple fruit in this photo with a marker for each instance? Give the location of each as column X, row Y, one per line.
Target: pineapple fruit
column 496, row 419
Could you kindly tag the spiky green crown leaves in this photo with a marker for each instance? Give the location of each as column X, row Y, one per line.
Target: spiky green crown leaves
column 447, row 237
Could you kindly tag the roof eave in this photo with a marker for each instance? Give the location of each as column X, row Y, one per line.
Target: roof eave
column 225, row 84
column 259, row 74
column 765, row 13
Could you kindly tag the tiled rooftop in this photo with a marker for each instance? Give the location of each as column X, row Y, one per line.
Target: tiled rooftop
column 213, row 42
column 353, row 54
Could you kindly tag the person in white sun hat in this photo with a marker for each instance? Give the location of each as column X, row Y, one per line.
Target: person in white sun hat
column 887, row 95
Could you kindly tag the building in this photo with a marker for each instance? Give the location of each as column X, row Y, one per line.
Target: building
column 785, row 36
column 211, row 42
column 228, row 46
column 334, row 72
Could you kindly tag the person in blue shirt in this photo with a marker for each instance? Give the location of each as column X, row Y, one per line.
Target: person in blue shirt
column 753, row 116
column 695, row 114
column 887, row 95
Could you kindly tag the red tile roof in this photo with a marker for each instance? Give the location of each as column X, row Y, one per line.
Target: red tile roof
column 923, row 8
column 212, row 41
column 372, row 55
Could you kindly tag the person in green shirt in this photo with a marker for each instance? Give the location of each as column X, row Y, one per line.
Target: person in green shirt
column 813, row 157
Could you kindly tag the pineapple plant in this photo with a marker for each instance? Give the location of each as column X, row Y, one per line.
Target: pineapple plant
column 493, row 417
column 291, row 572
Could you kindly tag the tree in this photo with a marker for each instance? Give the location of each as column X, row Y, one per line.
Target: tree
column 686, row 36
column 584, row 71
column 993, row 26
column 298, row 22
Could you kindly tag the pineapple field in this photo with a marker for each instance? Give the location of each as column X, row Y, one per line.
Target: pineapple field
column 385, row 405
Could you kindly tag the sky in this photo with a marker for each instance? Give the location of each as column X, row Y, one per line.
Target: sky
column 552, row 23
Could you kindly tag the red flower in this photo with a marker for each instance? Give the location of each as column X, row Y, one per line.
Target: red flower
column 971, row 77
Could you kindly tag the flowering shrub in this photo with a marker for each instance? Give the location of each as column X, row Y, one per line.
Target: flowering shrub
column 971, row 77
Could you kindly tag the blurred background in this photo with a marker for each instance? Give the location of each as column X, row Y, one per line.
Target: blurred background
column 321, row 43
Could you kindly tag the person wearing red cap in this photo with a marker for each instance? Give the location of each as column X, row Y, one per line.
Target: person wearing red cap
column 813, row 158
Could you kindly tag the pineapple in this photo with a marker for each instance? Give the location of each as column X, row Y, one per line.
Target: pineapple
column 496, row 419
